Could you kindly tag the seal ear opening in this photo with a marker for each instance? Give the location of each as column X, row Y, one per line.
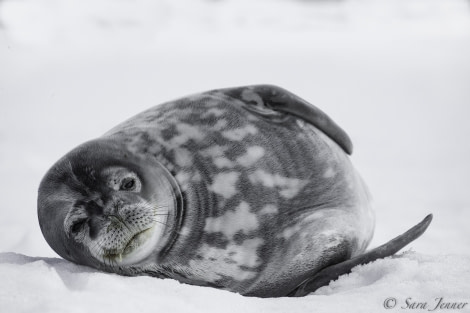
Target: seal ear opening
column 323, row 277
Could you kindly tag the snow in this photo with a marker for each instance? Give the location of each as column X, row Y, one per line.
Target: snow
column 393, row 74
column 38, row 284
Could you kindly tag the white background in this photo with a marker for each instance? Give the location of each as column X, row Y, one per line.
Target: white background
column 394, row 74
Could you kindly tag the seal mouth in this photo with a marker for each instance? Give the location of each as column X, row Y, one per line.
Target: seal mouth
column 134, row 242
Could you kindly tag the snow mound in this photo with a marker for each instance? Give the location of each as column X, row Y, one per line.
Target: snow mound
column 34, row 284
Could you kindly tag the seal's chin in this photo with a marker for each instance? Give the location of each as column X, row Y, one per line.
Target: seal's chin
column 140, row 247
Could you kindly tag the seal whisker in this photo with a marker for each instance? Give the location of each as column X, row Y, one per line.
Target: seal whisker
column 160, row 222
column 158, row 206
column 160, row 214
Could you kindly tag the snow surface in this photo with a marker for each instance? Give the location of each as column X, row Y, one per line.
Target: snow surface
column 55, row 285
column 394, row 74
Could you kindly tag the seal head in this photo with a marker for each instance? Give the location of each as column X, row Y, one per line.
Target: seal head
column 106, row 207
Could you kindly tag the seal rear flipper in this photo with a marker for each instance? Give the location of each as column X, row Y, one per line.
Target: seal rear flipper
column 281, row 100
column 323, row 277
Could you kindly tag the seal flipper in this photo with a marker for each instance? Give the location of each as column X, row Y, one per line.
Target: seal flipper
column 281, row 100
column 323, row 277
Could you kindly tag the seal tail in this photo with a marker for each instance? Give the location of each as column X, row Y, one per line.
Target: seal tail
column 323, row 277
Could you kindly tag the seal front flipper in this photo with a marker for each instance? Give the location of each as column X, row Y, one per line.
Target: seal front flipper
column 281, row 100
column 323, row 277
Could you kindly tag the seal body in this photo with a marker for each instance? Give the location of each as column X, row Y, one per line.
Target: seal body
column 254, row 199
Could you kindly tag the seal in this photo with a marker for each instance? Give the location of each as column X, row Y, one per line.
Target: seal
column 249, row 189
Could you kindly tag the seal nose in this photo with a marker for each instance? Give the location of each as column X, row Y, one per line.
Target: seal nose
column 112, row 205
column 93, row 208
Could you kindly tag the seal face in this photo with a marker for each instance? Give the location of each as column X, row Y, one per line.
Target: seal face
column 131, row 227
column 249, row 189
column 120, row 210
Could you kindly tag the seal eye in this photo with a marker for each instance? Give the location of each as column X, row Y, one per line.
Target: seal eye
column 128, row 184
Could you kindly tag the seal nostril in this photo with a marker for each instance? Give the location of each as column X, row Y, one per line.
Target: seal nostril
column 93, row 208
column 94, row 227
column 115, row 219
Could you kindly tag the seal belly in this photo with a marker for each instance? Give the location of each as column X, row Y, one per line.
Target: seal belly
column 257, row 189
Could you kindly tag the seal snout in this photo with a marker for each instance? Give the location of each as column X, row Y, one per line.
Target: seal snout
column 92, row 208
column 116, row 230
column 94, row 214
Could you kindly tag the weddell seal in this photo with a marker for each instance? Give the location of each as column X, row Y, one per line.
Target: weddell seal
column 247, row 189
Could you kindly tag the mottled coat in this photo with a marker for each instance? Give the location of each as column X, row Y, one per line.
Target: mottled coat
column 267, row 196
column 257, row 185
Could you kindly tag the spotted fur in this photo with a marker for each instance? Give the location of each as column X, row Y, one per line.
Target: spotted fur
column 268, row 197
